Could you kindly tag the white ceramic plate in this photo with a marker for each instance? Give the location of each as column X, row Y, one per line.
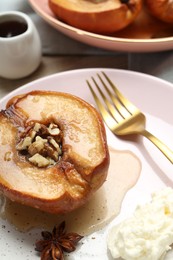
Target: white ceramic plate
column 154, row 97
column 144, row 35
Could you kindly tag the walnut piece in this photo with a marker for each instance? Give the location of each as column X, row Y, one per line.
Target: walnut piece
column 39, row 160
column 37, row 146
column 42, row 144
column 24, row 144
column 53, row 130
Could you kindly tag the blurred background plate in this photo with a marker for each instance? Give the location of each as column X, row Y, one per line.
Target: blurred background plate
column 146, row 34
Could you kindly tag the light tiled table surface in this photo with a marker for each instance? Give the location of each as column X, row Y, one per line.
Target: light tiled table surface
column 55, row 64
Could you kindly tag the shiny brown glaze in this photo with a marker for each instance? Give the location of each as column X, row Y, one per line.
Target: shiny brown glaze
column 84, row 164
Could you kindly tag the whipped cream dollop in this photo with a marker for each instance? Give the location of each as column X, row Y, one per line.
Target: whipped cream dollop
column 148, row 233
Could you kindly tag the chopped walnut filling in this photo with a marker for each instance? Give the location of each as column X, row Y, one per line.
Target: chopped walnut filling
column 42, row 144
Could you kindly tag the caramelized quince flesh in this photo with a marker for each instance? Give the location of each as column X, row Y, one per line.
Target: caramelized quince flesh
column 82, row 166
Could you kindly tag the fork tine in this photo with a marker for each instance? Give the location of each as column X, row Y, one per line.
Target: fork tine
column 117, row 116
column 119, row 106
column 106, row 116
column 129, row 106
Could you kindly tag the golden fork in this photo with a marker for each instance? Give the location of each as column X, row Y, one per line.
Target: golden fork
column 121, row 116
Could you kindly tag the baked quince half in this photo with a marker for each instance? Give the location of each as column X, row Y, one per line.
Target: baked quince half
column 161, row 9
column 53, row 151
column 98, row 16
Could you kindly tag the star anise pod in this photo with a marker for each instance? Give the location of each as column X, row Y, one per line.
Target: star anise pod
column 54, row 244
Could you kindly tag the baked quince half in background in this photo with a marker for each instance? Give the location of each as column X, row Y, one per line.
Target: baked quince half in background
column 98, row 16
column 161, row 9
column 53, row 151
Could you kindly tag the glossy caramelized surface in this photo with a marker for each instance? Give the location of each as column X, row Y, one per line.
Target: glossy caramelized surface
column 83, row 166
column 105, row 16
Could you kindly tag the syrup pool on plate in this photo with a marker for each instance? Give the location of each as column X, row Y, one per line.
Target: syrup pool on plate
column 104, row 206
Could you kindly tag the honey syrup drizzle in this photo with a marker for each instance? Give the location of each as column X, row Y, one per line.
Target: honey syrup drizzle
column 104, row 206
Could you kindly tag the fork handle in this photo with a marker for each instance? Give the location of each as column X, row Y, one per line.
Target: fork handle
column 161, row 146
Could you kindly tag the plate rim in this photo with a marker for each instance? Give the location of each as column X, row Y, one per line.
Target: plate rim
column 83, row 70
